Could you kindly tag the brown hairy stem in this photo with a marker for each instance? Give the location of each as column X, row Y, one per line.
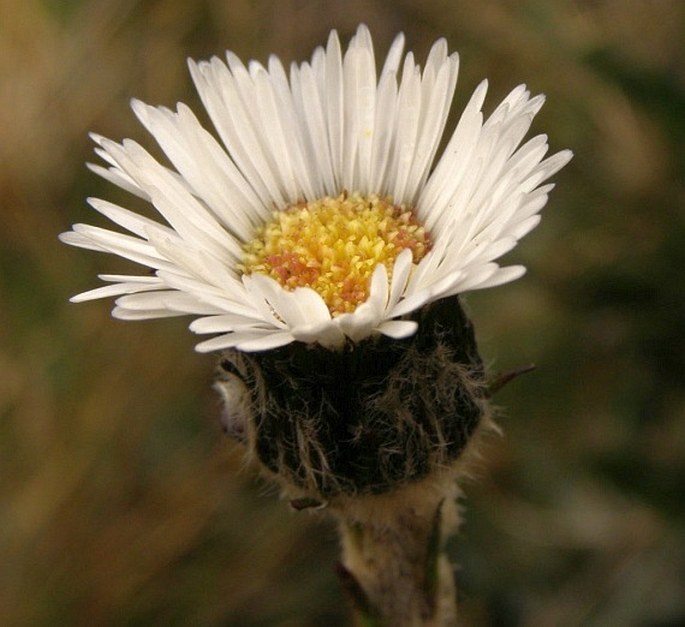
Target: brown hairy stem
column 394, row 567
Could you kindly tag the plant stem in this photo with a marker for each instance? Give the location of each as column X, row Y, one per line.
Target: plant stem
column 394, row 567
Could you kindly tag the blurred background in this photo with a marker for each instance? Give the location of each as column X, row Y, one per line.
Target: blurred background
column 120, row 501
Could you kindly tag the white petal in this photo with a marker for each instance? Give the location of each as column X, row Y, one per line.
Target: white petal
column 166, row 300
column 247, row 341
column 328, row 334
column 123, row 245
column 409, row 101
column 398, row 329
column 435, row 105
column 80, row 241
column 277, row 121
column 116, row 290
column 359, row 324
column 384, row 132
column 260, row 290
column 549, row 167
column 428, row 266
column 133, row 222
column 473, row 277
column 205, row 166
column 119, row 178
column 392, row 61
column 434, row 200
column 120, row 313
column 130, row 278
column 328, row 128
column 378, row 289
column 181, row 210
column 332, row 97
column 312, row 307
column 222, row 323
column 433, row 291
column 400, row 276
column 312, row 119
column 524, row 227
column 359, row 76
column 229, row 98
column 503, row 275
column 268, row 341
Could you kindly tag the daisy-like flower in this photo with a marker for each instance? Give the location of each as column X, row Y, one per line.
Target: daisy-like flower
column 323, row 215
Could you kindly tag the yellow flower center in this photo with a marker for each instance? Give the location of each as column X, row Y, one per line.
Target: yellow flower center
column 332, row 245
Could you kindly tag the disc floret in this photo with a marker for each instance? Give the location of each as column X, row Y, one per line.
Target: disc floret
column 332, row 245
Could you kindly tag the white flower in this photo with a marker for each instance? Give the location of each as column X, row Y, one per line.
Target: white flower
column 328, row 128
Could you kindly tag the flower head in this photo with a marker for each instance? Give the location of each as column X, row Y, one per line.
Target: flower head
column 323, row 215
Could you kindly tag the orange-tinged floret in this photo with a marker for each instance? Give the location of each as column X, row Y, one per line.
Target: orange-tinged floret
column 333, row 245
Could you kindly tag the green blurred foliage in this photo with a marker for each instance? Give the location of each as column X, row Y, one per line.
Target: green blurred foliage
column 121, row 503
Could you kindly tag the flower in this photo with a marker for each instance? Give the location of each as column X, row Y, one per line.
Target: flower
column 329, row 136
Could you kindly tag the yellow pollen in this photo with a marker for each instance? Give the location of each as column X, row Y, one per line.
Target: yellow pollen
column 332, row 245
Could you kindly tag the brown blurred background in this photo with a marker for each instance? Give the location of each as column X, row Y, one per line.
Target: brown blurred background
column 120, row 501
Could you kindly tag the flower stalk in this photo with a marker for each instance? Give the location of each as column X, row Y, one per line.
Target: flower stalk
column 395, row 569
column 393, row 563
